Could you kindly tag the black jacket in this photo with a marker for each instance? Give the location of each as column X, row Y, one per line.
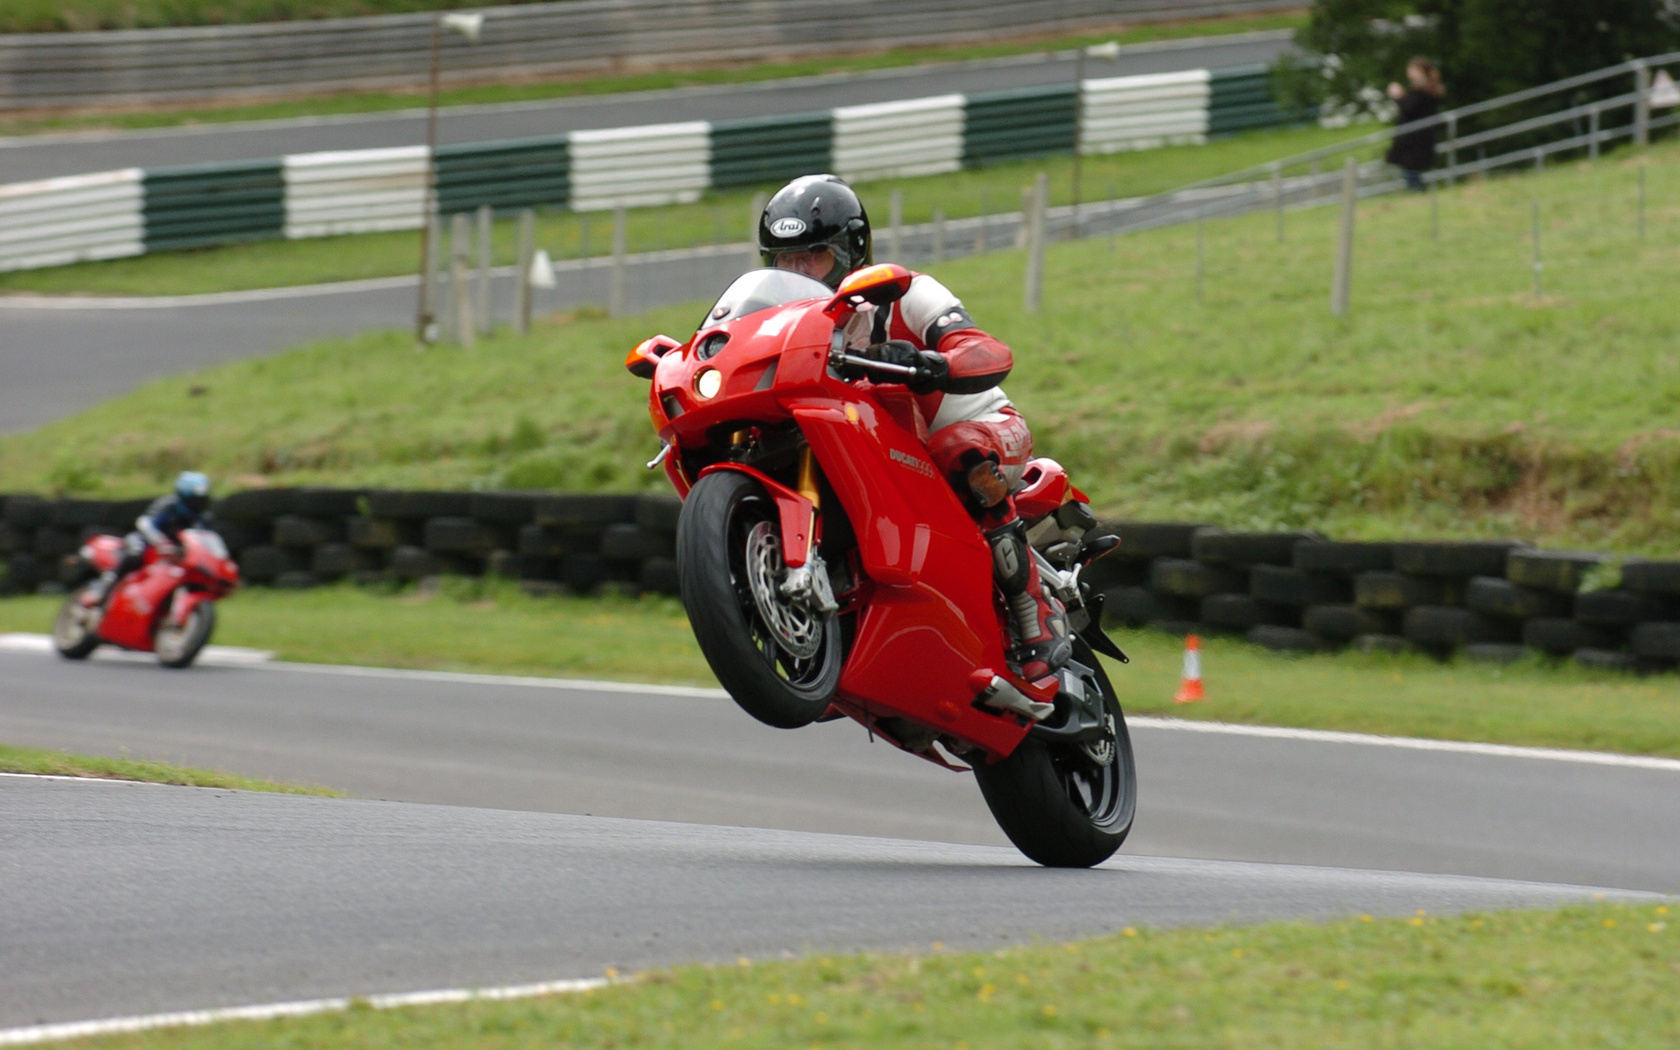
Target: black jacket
column 1415, row 150
column 166, row 517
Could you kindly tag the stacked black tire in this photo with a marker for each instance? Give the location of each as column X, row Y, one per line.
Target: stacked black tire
column 39, row 538
column 297, row 538
column 1297, row 591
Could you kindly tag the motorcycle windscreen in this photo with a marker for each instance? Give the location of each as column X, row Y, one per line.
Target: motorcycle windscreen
column 758, row 290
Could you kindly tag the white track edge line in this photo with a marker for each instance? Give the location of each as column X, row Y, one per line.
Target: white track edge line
column 1323, row 736
column 1464, row 747
column 42, row 1033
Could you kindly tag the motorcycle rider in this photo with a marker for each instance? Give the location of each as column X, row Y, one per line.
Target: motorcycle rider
column 186, row 507
column 815, row 225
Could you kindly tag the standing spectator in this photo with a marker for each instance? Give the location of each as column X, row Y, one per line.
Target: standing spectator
column 1413, row 152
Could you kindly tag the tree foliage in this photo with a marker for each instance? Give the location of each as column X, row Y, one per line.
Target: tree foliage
column 1485, row 48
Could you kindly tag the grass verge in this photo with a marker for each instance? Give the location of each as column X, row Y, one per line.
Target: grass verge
column 492, row 627
column 62, row 764
column 723, row 217
column 57, row 15
column 1600, row 975
column 1452, row 401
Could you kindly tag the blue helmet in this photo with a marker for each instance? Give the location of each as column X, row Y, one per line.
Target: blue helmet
column 193, row 489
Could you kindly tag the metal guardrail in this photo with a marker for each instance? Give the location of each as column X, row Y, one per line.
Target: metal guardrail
column 1314, row 177
column 125, row 67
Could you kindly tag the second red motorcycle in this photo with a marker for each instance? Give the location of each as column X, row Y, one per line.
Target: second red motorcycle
column 167, row 607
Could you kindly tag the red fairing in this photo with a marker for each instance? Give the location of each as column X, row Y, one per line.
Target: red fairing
column 753, row 391
column 166, row 590
column 978, row 361
column 104, row 553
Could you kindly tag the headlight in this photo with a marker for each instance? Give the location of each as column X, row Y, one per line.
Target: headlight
column 708, row 383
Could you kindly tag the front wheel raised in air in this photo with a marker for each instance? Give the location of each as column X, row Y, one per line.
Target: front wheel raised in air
column 1067, row 805
column 76, row 630
column 777, row 657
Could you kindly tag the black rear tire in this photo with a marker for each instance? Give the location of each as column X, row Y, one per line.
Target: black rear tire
column 775, row 683
column 1057, row 805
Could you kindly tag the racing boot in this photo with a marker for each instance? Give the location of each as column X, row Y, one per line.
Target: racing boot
column 1043, row 636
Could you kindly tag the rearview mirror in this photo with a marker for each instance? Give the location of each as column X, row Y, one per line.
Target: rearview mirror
column 879, row 285
column 645, row 357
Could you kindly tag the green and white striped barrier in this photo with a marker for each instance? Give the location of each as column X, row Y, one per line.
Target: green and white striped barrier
column 113, row 214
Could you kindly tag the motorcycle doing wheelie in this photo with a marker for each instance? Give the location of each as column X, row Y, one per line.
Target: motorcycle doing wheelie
column 829, row 570
column 167, row 606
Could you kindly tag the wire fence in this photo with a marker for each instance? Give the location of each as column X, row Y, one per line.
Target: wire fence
column 51, row 70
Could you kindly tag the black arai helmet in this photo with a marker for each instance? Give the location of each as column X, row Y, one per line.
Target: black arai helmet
column 817, row 211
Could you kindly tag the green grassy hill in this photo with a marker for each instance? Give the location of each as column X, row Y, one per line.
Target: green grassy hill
column 1451, row 402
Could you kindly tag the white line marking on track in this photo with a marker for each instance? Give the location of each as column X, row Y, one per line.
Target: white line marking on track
column 42, row 1033
column 1329, row 736
column 218, row 655
column 1320, row 736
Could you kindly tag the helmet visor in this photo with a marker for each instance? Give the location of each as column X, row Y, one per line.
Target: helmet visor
column 816, row 263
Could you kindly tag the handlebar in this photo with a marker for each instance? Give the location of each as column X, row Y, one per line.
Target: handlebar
column 840, row 358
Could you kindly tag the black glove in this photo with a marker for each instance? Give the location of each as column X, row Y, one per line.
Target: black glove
column 933, row 372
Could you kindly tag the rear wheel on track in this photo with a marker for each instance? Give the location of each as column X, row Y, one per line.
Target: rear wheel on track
column 1067, row 805
column 779, row 660
column 76, row 630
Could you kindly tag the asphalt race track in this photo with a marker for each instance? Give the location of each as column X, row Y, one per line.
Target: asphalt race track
column 125, row 899
column 661, row 753
column 61, row 355
column 40, row 157
column 504, row 854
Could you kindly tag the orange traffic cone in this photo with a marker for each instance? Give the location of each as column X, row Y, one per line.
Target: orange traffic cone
column 1190, row 683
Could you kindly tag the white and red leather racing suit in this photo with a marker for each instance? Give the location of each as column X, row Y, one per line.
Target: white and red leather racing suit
column 980, row 444
column 973, row 418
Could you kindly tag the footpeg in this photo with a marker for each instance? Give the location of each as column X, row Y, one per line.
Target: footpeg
column 1005, row 697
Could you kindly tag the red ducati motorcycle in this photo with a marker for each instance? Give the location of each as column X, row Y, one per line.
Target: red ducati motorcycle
column 829, row 571
column 168, row 606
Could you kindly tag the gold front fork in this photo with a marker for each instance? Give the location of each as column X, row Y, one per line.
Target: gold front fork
column 808, row 476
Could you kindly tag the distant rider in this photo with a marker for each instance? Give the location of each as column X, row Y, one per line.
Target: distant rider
column 816, row 226
column 187, row 507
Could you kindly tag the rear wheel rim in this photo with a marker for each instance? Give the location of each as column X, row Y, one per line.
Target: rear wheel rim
column 755, row 567
column 71, row 628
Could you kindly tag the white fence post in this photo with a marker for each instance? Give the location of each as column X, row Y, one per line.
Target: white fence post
column 754, row 261
column 526, row 255
column 895, row 226
column 1343, row 283
column 1033, row 221
column 486, row 321
column 1641, row 103
column 460, row 288
column 616, row 295
column 1201, row 265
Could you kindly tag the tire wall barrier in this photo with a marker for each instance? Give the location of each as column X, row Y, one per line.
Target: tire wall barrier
column 103, row 216
column 288, row 58
column 1291, row 591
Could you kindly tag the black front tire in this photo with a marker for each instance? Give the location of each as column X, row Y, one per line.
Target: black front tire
column 178, row 647
column 1057, row 805
column 775, row 685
